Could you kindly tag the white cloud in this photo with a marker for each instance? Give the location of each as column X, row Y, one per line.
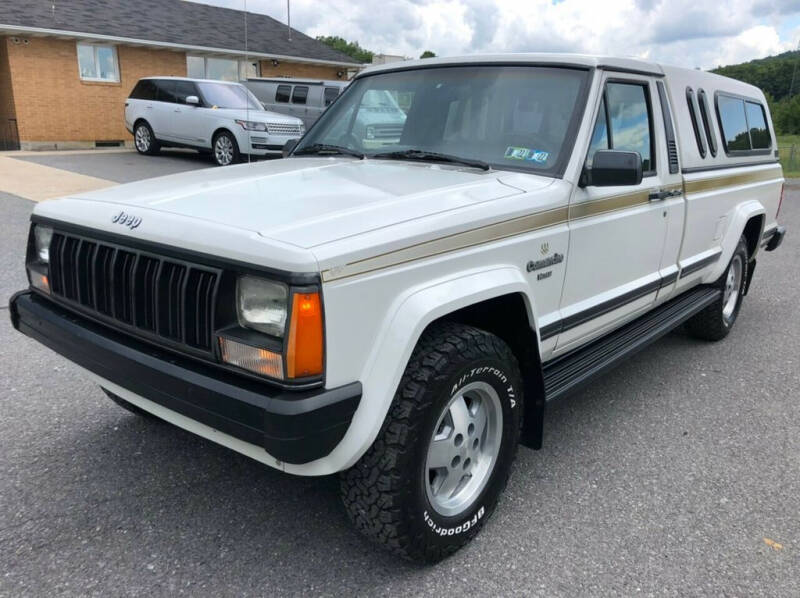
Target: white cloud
column 683, row 32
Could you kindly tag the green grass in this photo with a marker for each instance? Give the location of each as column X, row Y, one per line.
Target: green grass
column 789, row 161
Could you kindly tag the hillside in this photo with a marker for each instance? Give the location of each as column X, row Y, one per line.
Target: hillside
column 774, row 75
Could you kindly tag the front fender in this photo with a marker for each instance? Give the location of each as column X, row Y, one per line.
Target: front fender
column 402, row 327
column 741, row 214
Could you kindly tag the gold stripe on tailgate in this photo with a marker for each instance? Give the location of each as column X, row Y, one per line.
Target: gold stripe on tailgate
column 476, row 236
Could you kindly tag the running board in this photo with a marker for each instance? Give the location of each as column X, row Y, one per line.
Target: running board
column 569, row 372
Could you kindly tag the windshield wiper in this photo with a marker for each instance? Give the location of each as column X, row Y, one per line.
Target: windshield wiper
column 325, row 148
column 417, row 154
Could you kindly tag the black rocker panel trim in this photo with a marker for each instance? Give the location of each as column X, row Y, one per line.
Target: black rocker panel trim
column 700, row 264
column 569, row 372
column 294, row 427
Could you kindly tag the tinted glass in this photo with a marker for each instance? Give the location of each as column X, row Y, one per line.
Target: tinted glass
column 600, row 134
column 330, row 94
column 183, row 89
column 515, row 117
column 756, row 120
column 299, row 95
column 282, row 93
column 705, row 112
column 228, row 96
column 165, row 90
column 734, row 123
column 630, row 120
column 144, row 90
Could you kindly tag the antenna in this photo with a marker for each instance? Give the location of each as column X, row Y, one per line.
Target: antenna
column 247, row 65
column 289, row 18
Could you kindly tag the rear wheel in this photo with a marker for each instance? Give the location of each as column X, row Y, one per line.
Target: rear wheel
column 226, row 150
column 144, row 139
column 436, row 471
column 716, row 321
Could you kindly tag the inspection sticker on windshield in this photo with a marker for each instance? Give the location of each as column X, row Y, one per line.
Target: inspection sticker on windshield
column 527, row 154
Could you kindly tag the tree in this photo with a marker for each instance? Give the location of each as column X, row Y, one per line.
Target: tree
column 352, row 49
column 428, row 54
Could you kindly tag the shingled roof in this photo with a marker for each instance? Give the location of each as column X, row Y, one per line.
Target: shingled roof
column 174, row 22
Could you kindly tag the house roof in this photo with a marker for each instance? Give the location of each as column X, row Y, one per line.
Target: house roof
column 172, row 23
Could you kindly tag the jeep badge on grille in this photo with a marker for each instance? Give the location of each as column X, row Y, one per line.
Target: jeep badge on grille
column 128, row 220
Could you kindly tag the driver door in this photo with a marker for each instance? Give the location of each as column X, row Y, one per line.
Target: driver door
column 617, row 233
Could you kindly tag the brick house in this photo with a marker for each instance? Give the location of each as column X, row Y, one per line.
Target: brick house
column 67, row 66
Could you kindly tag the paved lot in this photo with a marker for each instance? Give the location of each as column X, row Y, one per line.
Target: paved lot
column 665, row 478
column 122, row 166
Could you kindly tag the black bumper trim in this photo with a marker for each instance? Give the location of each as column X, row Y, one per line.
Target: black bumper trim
column 293, row 426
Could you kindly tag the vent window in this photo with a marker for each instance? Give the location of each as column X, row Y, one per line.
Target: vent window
column 698, row 135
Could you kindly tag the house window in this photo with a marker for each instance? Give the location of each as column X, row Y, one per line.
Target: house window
column 223, row 69
column 98, row 62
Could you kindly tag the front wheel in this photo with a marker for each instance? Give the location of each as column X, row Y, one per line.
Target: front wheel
column 443, row 456
column 716, row 321
column 226, row 150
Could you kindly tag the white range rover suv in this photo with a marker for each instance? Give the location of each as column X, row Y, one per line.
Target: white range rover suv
column 402, row 315
column 219, row 117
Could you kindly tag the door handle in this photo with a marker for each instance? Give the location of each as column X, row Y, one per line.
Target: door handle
column 664, row 194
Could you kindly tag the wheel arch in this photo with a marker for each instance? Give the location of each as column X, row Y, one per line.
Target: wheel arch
column 747, row 219
column 464, row 297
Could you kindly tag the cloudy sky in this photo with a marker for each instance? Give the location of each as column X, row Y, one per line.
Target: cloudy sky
column 691, row 33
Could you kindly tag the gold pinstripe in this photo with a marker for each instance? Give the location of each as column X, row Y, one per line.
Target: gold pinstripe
column 476, row 236
column 731, row 180
column 535, row 221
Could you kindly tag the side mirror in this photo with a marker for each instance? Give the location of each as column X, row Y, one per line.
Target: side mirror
column 288, row 147
column 193, row 100
column 613, row 167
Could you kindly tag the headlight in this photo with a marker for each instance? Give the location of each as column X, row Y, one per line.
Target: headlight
column 262, row 305
column 43, row 235
column 39, row 262
column 250, row 125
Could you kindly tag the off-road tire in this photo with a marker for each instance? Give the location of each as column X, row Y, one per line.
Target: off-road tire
column 153, row 146
column 128, row 406
column 709, row 324
column 385, row 492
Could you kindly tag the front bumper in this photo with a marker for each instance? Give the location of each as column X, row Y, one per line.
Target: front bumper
column 292, row 426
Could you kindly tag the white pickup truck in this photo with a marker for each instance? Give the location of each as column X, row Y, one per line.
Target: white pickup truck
column 402, row 314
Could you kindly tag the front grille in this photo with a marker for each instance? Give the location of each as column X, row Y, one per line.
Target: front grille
column 153, row 296
column 388, row 131
column 283, row 129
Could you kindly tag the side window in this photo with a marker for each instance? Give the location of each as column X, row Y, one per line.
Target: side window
column 145, row 90
column 282, row 93
column 698, row 135
column 705, row 113
column 184, row 89
column 330, row 94
column 299, row 94
column 757, row 121
column 165, row 90
column 624, row 122
column 733, row 119
column 600, row 133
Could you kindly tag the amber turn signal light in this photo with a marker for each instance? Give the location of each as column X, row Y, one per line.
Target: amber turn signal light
column 305, row 347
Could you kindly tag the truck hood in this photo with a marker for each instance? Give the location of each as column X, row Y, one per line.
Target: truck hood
column 309, row 202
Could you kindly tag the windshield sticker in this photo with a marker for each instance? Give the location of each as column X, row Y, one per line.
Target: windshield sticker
column 527, row 154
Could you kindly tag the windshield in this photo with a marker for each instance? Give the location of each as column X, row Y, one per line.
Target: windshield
column 229, row 96
column 511, row 117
